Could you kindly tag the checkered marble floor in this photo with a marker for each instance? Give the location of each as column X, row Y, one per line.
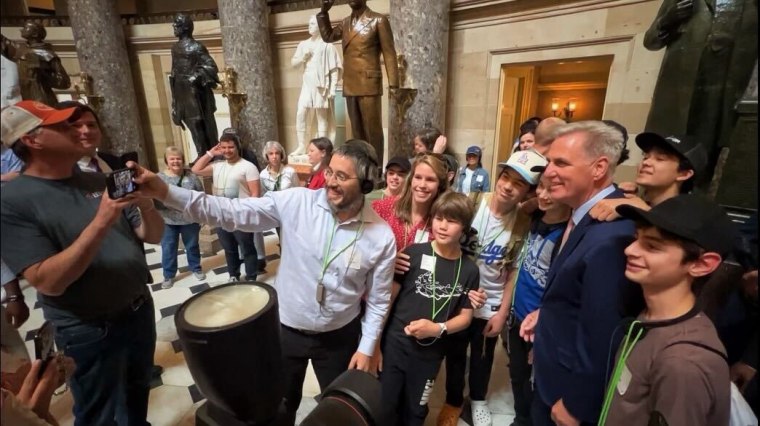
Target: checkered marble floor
column 174, row 397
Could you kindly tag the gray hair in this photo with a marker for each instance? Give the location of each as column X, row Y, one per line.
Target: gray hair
column 276, row 145
column 364, row 157
column 173, row 150
column 602, row 140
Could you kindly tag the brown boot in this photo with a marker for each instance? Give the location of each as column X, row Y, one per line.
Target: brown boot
column 449, row 415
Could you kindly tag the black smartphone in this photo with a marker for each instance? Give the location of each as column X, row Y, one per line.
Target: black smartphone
column 119, row 183
column 44, row 344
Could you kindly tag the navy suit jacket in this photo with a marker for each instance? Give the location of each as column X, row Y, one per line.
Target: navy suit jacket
column 580, row 311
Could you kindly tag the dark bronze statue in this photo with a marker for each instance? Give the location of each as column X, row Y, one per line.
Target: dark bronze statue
column 39, row 68
column 365, row 36
column 193, row 80
column 711, row 50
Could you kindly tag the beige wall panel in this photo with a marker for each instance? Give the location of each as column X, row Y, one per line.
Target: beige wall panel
column 632, row 18
column 615, row 31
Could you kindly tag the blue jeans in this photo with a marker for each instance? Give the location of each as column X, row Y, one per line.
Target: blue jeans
column 169, row 244
column 230, row 242
column 113, row 360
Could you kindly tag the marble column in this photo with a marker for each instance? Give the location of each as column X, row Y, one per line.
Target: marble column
column 102, row 53
column 247, row 49
column 421, row 34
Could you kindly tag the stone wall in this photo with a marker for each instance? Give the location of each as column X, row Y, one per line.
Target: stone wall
column 480, row 43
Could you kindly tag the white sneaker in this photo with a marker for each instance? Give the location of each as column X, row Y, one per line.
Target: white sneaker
column 168, row 283
column 200, row 276
column 481, row 415
column 233, row 280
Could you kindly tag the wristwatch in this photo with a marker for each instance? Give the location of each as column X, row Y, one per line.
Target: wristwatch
column 14, row 298
column 444, row 329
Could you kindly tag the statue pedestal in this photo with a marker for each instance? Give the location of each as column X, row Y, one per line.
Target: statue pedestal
column 303, row 169
column 735, row 180
column 398, row 125
column 208, row 241
column 298, row 159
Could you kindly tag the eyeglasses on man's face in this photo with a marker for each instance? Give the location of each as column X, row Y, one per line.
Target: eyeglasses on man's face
column 339, row 176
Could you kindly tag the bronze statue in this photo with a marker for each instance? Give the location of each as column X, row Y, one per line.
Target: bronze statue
column 193, row 80
column 39, row 68
column 711, row 50
column 365, row 36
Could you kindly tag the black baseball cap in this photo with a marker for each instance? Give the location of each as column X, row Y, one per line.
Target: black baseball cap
column 400, row 162
column 685, row 147
column 691, row 217
column 452, row 164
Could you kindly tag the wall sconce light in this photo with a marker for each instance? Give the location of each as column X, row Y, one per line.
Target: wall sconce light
column 567, row 110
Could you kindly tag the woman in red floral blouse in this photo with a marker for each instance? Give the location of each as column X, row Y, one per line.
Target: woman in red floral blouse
column 409, row 214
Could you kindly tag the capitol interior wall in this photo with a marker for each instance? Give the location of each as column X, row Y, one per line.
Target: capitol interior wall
column 479, row 46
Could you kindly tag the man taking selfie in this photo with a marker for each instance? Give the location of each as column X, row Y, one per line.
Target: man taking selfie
column 85, row 259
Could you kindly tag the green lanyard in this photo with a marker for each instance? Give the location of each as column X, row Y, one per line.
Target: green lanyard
column 326, row 259
column 625, row 352
column 453, row 288
column 520, row 260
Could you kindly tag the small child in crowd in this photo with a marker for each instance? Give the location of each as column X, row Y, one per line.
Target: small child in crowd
column 428, row 302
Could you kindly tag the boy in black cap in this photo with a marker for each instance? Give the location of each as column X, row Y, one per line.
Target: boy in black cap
column 395, row 174
column 668, row 168
column 671, row 367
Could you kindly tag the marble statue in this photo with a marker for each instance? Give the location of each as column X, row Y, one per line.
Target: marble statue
column 11, row 91
column 711, row 48
column 39, row 68
column 193, row 78
column 365, row 35
column 321, row 71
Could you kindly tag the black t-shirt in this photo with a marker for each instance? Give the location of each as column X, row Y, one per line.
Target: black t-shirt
column 42, row 217
column 415, row 300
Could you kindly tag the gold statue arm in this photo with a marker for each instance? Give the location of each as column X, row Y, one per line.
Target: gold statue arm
column 389, row 51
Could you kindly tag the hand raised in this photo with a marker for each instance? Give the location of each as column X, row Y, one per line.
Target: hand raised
column 440, row 145
column 327, row 5
column 216, row 150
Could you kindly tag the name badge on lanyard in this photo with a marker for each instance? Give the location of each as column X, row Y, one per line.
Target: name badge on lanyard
column 427, row 263
column 421, row 236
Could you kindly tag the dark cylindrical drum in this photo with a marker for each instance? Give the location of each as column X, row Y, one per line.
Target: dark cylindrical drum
column 230, row 336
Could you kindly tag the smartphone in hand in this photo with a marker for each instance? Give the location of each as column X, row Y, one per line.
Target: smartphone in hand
column 44, row 345
column 120, row 183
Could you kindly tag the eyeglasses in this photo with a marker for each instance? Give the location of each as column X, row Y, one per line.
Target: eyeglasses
column 340, row 176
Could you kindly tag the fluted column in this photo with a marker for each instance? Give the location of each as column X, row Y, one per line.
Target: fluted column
column 102, row 53
column 421, row 34
column 247, row 49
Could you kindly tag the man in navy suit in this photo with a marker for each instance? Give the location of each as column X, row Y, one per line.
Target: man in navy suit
column 580, row 310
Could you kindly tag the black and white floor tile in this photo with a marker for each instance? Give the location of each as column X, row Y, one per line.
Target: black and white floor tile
column 174, row 397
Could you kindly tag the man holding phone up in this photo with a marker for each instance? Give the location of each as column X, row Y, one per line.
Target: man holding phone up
column 82, row 252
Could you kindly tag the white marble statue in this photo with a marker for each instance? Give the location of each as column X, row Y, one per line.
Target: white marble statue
column 11, row 91
column 322, row 67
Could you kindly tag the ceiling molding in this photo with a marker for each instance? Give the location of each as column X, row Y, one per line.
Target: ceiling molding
column 564, row 45
column 483, row 13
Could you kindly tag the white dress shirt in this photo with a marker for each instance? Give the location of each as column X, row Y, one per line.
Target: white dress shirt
column 364, row 268
column 85, row 164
